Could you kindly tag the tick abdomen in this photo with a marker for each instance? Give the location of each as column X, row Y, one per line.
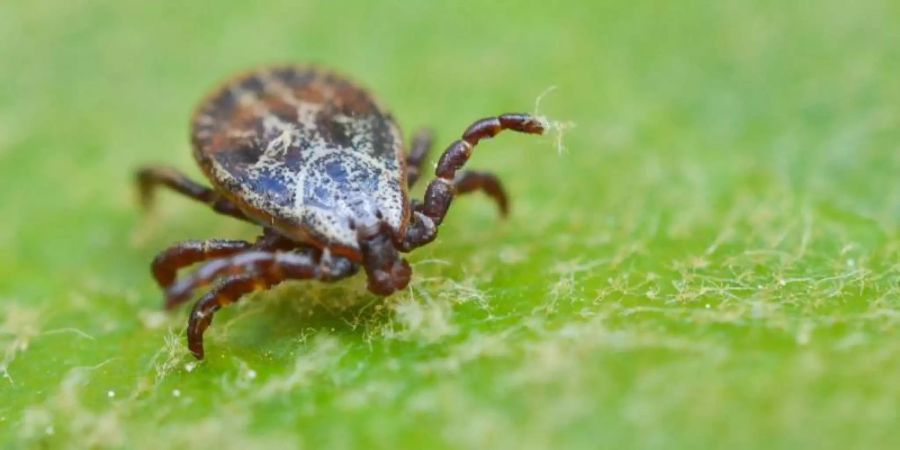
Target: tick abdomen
column 305, row 151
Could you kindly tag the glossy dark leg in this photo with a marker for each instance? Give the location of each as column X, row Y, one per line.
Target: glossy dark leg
column 418, row 153
column 471, row 181
column 228, row 291
column 148, row 178
column 251, row 262
column 442, row 189
column 167, row 264
column 252, row 271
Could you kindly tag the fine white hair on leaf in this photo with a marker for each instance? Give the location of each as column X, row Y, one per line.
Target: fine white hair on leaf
column 540, row 98
column 72, row 330
column 20, row 327
column 559, row 128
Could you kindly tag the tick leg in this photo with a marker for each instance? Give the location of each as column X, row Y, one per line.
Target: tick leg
column 418, row 153
column 228, row 291
column 441, row 190
column 148, row 178
column 262, row 270
column 260, row 262
column 423, row 230
column 470, row 181
column 166, row 265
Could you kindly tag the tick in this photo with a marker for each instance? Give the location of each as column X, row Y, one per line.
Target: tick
column 319, row 164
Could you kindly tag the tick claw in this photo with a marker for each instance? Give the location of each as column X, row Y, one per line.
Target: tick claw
column 196, row 350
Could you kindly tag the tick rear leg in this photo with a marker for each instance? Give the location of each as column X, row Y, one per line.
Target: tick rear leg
column 261, row 270
column 167, row 264
column 439, row 195
column 418, row 153
column 148, row 178
column 470, row 181
column 254, row 261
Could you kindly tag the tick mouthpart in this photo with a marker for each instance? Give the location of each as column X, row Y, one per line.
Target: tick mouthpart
column 386, row 282
column 366, row 232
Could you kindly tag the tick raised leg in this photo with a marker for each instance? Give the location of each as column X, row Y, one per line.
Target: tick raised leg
column 418, row 153
column 260, row 270
column 148, row 178
column 441, row 190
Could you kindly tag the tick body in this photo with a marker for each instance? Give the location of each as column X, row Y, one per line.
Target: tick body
column 317, row 163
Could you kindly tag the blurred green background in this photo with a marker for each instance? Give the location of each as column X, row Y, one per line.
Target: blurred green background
column 712, row 262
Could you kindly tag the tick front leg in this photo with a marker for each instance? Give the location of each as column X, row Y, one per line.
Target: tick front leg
column 442, row 189
column 440, row 192
column 261, row 270
column 418, row 153
column 422, row 228
column 148, row 178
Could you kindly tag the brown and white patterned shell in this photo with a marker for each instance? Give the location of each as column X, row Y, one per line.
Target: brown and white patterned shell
column 306, row 152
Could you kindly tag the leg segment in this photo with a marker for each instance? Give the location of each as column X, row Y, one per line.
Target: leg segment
column 470, row 181
column 148, row 178
column 166, row 265
column 288, row 264
column 261, row 270
column 231, row 289
column 441, row 190
column 418, row 153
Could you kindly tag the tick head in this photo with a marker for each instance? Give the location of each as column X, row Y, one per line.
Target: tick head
column 386, row 270
column 386, row 280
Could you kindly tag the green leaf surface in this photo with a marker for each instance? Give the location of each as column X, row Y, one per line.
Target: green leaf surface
column 710, row 258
